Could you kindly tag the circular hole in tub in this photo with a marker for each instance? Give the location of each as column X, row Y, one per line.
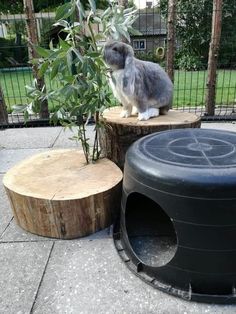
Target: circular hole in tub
column 150, row 231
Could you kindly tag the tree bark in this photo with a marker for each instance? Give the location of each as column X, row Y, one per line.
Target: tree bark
column 119, row 133
column 31, row 27
column 124, row 4
column 3, row 109
column 213, row 57
column 171, row 39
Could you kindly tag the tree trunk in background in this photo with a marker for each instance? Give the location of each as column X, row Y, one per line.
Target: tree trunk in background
column 3, row 109
column 123, row 3
column 213, row 57
column 32, row 41
column 171, row 38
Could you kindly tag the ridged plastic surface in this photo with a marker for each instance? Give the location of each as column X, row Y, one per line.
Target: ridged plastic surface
column 191, row 175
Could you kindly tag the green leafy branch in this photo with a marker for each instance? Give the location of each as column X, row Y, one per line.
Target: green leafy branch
column 76, row 67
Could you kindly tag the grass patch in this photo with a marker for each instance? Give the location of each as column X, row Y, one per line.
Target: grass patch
column 13, row 84
column 190, row 87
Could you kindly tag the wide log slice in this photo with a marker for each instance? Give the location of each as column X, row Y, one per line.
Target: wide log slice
column 56, row 194
column 119, row 133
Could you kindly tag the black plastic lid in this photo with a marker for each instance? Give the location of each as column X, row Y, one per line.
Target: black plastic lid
column 200, row 158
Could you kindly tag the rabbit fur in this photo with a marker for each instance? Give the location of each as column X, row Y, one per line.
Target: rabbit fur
column 142, row 87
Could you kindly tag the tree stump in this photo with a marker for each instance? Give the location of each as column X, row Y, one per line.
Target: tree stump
column 119, row 133
column 56, row 194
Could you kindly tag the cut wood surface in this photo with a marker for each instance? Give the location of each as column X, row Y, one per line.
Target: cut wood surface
column 56, row 194
column 119, row 133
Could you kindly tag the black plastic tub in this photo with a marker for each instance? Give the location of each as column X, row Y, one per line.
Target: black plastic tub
column 177, row 227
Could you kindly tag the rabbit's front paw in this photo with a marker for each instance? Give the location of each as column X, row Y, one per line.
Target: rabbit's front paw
column 153, row 112
column 142, row 116
column 125, row 114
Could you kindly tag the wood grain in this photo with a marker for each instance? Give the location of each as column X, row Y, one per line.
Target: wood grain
column 55, row 194
column 119, row 133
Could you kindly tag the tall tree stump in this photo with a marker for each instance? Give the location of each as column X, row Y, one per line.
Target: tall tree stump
column 213, row 57
column 56, row 194
column 119, row 133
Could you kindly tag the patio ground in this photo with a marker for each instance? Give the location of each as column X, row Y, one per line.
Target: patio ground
column 47, row 276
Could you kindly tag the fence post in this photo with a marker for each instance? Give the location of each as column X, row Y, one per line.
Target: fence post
column 3, row 109
column 123, row 3
column 31, row 27
column 171, row 38
column 213, row 57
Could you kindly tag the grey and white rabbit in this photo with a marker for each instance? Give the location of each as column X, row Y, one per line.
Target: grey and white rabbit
column 142, row 87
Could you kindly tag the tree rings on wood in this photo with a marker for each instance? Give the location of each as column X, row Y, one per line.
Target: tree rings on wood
column 56, row 194
column 119, row 133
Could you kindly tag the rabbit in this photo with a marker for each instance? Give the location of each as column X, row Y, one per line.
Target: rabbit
column 142, row 87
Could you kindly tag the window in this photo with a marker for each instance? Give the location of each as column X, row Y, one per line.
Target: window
column 139, row 44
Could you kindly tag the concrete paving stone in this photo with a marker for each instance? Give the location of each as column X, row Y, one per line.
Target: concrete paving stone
column 29, row 137
column 87, row 276
column 64, row 138
column 227, row 126
column 84, row 275
column 22, row 267
column 15, row 233
column 10, row 157
column 5, row 210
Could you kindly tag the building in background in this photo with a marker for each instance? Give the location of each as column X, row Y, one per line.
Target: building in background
column 153, row 31
column 141, row 4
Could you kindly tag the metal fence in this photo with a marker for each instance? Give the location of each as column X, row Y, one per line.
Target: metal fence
column 15, row 70
column 190, row 58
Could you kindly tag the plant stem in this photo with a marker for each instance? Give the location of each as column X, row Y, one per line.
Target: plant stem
column 95, row 143
column 94, row 156
column 85, row 143
column 92, row 34
column 83, row 140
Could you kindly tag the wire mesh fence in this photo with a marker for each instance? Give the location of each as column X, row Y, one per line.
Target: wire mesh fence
column 15, row 69
column 193, row 28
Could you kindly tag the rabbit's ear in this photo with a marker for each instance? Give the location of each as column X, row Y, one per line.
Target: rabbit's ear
column 129, row 74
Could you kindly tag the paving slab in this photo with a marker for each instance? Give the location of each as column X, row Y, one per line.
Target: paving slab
column 5, row 210
column 227, row 126
column 29, row 137
column 64, row 140
column 82, row 276
column 22, row 267
column 15, row 233
column 87, row 276
column 10, row 157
